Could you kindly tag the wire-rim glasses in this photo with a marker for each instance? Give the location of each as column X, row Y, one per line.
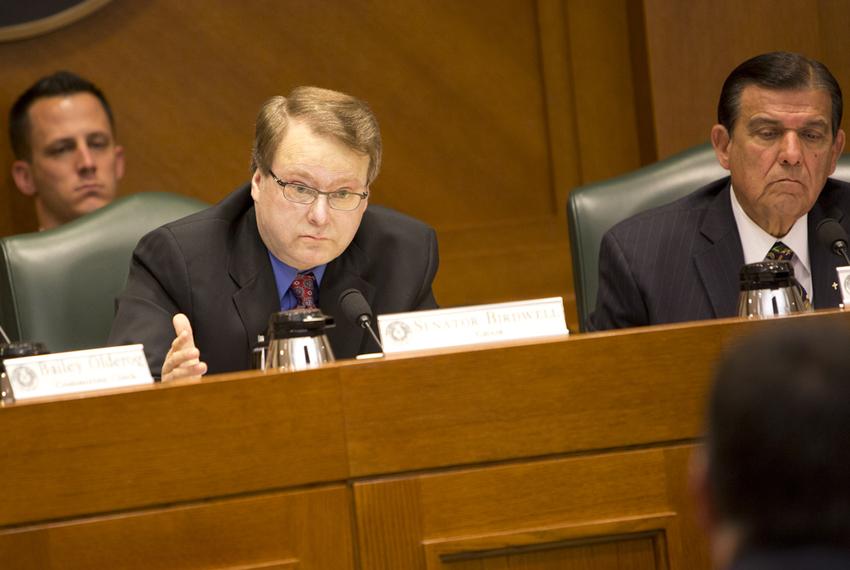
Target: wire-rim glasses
column 345, row 200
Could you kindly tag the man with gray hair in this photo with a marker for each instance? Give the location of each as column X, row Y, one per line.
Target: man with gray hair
column 779, row 135
column 202, row 288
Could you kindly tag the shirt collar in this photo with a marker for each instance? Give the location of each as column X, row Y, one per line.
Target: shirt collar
column 756, row 242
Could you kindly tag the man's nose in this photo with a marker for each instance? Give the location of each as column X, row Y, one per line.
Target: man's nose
column 85, row 158
column 319, row 210
column 790, row 152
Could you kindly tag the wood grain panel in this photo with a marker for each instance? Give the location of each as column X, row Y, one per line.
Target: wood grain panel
column 692, row 47
column 453, row 412
column 833, row 23
column 631, row 553
column 520, row 259
column 605, row 110
column 564, row 444
column 556, row 514
column 544, row 399
column 115, row 453
column 285, row 531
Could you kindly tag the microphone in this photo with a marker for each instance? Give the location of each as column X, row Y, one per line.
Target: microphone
column 831, row 234
column 356, row 309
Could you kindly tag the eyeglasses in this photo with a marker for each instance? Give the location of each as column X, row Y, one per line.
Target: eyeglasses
column 301, row 194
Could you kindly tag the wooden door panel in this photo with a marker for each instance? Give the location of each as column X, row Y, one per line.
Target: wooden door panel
column 617, row 510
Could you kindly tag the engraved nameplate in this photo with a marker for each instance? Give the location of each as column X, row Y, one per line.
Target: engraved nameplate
column 420, row 330
column 77, row 371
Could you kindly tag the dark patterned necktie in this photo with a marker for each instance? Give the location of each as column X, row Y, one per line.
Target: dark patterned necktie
column 781, row 252
column 304, row 288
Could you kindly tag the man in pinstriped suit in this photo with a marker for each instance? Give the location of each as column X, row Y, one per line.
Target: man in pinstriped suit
column 779, row 135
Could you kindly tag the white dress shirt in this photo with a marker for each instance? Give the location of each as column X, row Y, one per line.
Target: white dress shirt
column 756, row 243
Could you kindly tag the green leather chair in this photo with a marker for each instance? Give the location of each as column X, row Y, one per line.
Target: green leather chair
column 593, row 209
column 59, row 286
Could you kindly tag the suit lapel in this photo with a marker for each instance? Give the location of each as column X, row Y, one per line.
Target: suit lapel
column 720, row 257
column 250, row 268
column 346, row 272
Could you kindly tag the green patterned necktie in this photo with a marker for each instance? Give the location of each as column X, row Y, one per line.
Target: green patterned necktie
column 781, row 252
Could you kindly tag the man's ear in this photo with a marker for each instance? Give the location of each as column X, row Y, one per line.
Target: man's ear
column 700, row 489
column 837, row 148
column 255, row 184
column 720, row 140
column 119, row 162
column 22, row 175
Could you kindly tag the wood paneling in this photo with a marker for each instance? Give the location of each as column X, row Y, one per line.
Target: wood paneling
column 260, row 533
column 115, row 453
column 608, row 511
column 554, row 455
column 605, row 112
column 692, row 47
column 441, row 415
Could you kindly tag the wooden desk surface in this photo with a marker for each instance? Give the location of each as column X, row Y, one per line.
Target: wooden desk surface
column 358, row 424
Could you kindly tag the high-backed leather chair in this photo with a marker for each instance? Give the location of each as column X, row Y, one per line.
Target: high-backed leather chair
column 594, row 208
column 59, row 286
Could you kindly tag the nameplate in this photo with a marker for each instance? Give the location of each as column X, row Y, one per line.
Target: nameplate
column 844, row 283
column 77, row 371
column 439, row 328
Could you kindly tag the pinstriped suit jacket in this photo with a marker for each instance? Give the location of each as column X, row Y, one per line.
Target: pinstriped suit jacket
column 680, row 262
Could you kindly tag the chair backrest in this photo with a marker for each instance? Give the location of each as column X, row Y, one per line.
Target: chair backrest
column 593, row 209
column 59, row 286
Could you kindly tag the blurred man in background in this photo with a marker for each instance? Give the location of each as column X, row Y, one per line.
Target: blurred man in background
column 63, row 136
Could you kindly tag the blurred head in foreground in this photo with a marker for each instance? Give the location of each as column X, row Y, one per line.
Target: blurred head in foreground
column 774, row 480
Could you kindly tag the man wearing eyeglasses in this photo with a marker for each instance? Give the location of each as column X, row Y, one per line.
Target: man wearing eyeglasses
column 202, row 288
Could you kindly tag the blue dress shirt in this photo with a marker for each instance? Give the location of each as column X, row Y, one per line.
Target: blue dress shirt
column 283, row 276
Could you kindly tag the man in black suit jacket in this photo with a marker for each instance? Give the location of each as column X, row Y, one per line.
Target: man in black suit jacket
column 202, row 288
column 772, row 480
column 779, row 135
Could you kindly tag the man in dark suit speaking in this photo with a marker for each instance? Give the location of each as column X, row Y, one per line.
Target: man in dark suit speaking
column 779, row 135
column 202, row 288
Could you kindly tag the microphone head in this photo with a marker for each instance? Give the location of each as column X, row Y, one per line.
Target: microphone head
column 831, row 234
column 355, row 307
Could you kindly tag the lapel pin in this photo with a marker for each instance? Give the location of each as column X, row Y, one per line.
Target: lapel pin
column 835, row 286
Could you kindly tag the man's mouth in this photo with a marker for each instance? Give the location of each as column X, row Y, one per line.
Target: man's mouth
column 90, row 188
